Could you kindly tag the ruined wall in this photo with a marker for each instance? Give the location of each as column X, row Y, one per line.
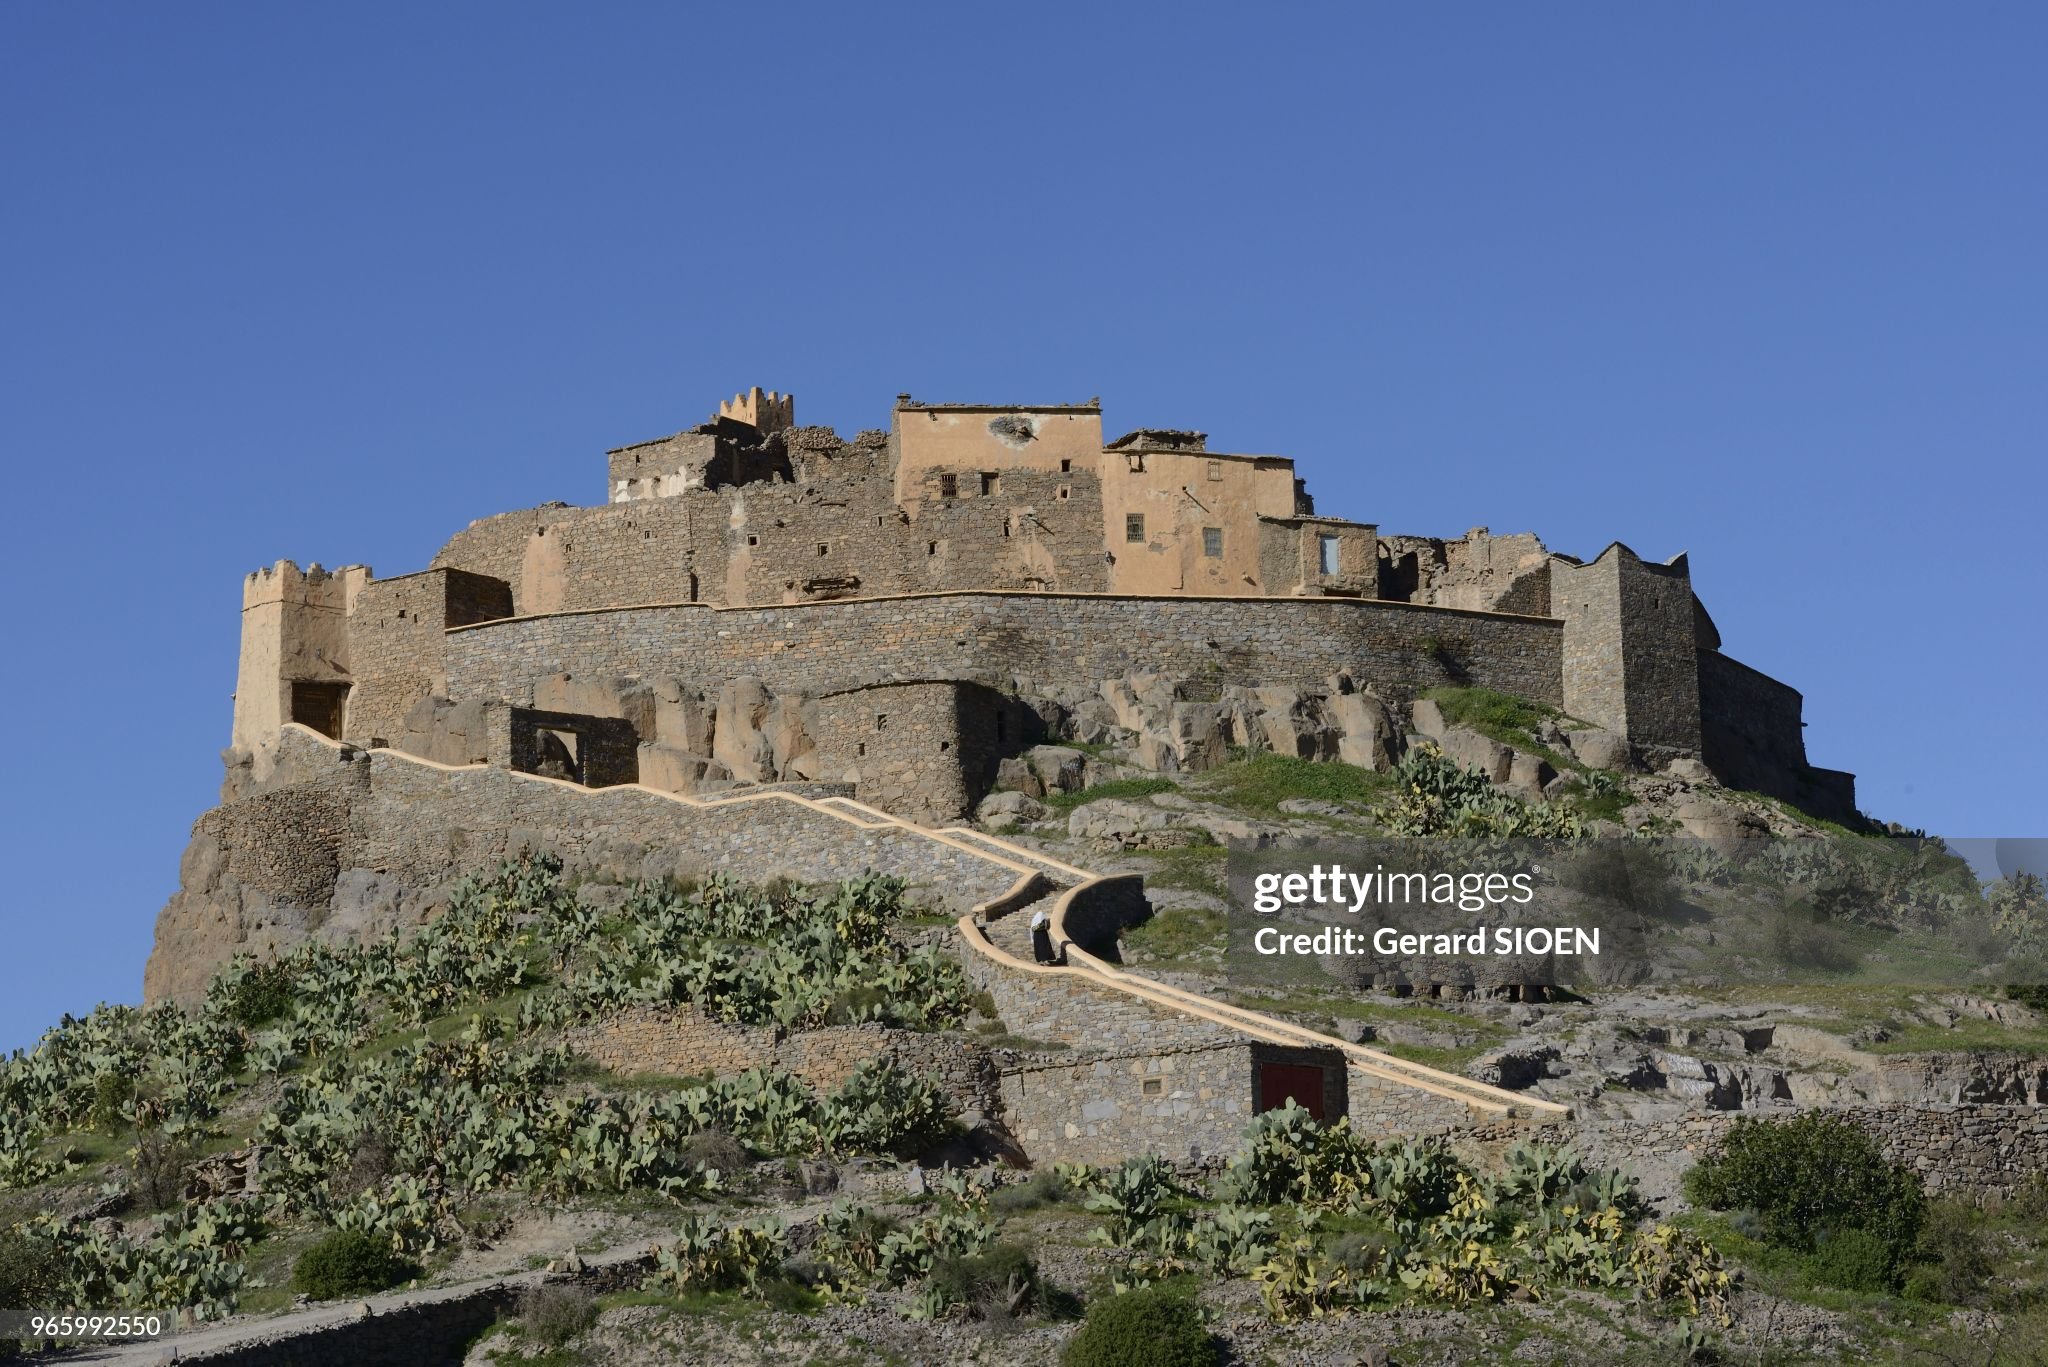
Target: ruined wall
column 1478, row 570
column 995, row 639
column 605, row 753
column 397, row 642
column 1291, row 559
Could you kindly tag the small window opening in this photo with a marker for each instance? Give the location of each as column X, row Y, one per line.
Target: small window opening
column 991, row 483
column 1066, row 467
column 1137, row 462
column 881, row 721
column 949, row 486
column 1326, row 554
column 944, row 746
column 1154, row 1086
column 693, row 586
column 753, row 541
column 1215, row 469
column 860, row 749
column 824, row 548
column 1006, row 528
column 1134, row 526
column 1064, row 491
column 1212, row 542
column 931, row 548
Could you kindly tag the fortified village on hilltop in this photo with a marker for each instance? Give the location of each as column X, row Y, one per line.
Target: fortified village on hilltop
column 772, row 652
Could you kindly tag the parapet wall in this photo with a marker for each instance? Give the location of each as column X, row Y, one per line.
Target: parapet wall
column 996, row 638
column 351, row 842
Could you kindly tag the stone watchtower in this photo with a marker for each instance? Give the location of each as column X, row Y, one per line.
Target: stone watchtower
column 768, row 412
column 294, row 661
column 1631, row 650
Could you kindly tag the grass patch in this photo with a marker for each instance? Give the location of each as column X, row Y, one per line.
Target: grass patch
column 1502, row 717
column 1261, row 783
column 1198, row 868
column 1122, row 787
column 1179, row 933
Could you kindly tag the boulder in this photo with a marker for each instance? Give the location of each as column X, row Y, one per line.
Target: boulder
column 673, row 769
column 1014, row 774
column 1529, row 775
column 1115, row 820
column 1367, row 733
column 740, row 740
column 1428, row 718
column 1686, row 769
column 1484, row 753
column 1600, row 749
column 1093, row 721
column 1720, row 825
column 683, row 716
column 1199, row 740
column 1057, row 768
column 1004, row 811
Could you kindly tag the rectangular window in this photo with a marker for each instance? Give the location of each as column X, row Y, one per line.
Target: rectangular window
column 1154, row 1086
column 949, row 486
column 824, row 548
column 1215, row 469
column 1066, row 467
column 1064, row 491
column 1326, row 554
column 1134, row 526
column 1212, row 542
column 990, row 483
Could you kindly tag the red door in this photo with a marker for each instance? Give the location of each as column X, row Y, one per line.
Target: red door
column 1302, row 1082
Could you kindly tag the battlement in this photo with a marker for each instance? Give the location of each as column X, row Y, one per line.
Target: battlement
column 769, row 412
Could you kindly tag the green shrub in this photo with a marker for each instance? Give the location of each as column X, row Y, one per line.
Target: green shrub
column 1956, row 1266
column 1808, row 1175
column 999, row 1284
column 1148, row 1328
column 349, row 1262
column 1852, row 1260
column 1043, row 1188
column 555, row 1314
column 255, row 994
column 1115, row 788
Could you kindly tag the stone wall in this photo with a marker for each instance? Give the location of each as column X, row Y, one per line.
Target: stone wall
column 832, row 529
column 1752, row 736
column 1962, row 1149
column 397, row 641
column 1063, row 1008
column 397, row 830
column 907, row 747
column 997, row 638
column 680, row 1042
column 606, row 751
column 1183, row 1103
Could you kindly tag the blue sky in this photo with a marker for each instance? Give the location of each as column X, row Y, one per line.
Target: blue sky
column 1760, row 282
